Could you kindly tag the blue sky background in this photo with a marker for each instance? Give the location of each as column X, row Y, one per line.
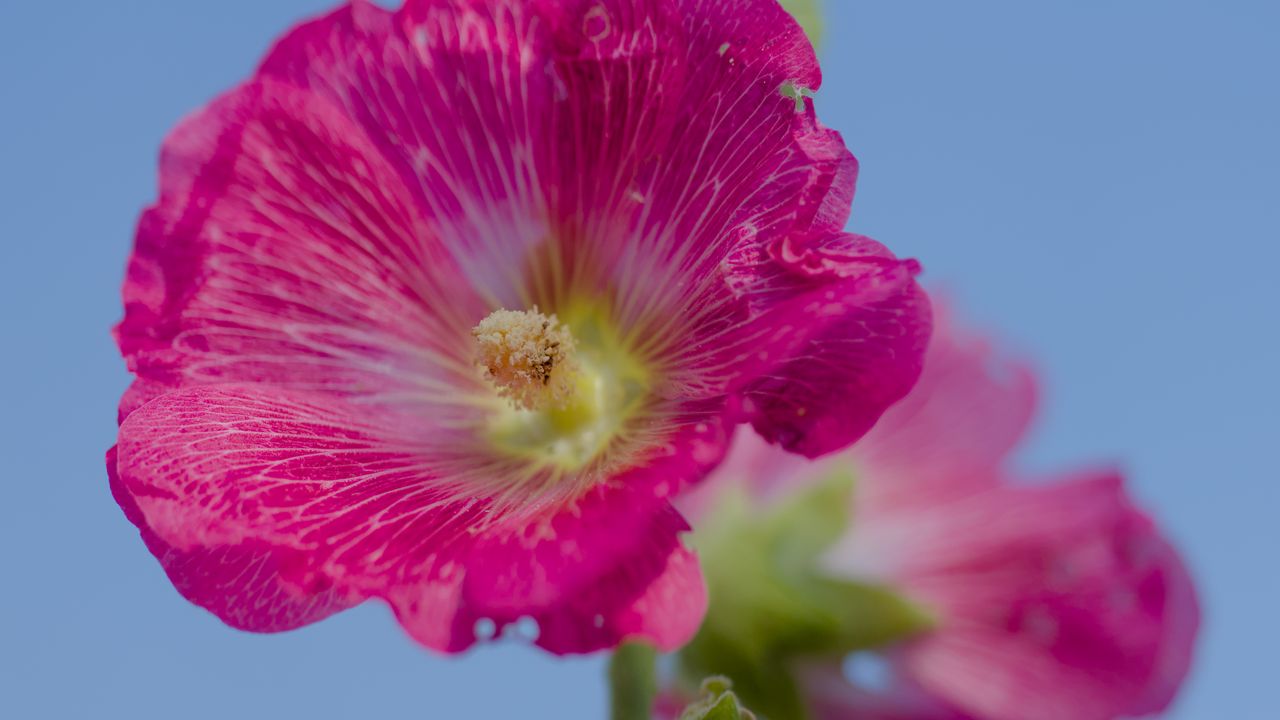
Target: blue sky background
column 1097, row 179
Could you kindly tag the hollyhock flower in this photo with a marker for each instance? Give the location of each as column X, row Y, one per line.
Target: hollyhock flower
column 444, row 305
column 1057, row 601
column 1060, row 601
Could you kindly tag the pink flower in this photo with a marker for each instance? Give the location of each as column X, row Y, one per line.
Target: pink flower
column 442, row 306
column 1057, row 601
column 1060, row 601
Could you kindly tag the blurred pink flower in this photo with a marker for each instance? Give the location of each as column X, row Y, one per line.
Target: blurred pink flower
column 1056, row 601
column 443, row 305
column 1060, row 601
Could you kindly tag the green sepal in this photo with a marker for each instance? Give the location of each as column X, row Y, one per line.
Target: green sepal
column 771, row 603
column 718, row 702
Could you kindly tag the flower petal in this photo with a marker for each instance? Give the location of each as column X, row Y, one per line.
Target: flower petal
column 1058, row 602
column 666, row 95
column 854, row 325
column 456, row 96
column 283, row 250
column 606, row 550
column 657, row 101
column 954, row 430
column 666, row 613
column 1169, row 591
column 340, row 494
column 334, row 490
column 242, row 587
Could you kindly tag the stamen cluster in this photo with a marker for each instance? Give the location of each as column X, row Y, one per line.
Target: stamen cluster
column 528, row 356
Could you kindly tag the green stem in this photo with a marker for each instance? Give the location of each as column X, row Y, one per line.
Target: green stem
column 633, row 682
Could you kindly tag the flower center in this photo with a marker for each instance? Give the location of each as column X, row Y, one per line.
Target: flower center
column 529, row 358
column 570, row 387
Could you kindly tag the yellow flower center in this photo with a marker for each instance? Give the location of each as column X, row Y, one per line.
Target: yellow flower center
column 570, row 386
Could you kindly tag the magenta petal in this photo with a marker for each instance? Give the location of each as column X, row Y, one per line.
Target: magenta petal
column 668, row 95
column 244, row 588
column 628, row 516
column 333, row 488
column 1170, row 592
column 1059, row 602
column 542, row 563
column 327, row 488
column 614, row 553
column 590, row 576
column 219, row 464
column 282, row 250
column 456, row 97
column 954, row 430
column 655, row 102
column 859, row 324
column 666, row 613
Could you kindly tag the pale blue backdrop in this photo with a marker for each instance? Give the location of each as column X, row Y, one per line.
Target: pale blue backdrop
column 1096, row 178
